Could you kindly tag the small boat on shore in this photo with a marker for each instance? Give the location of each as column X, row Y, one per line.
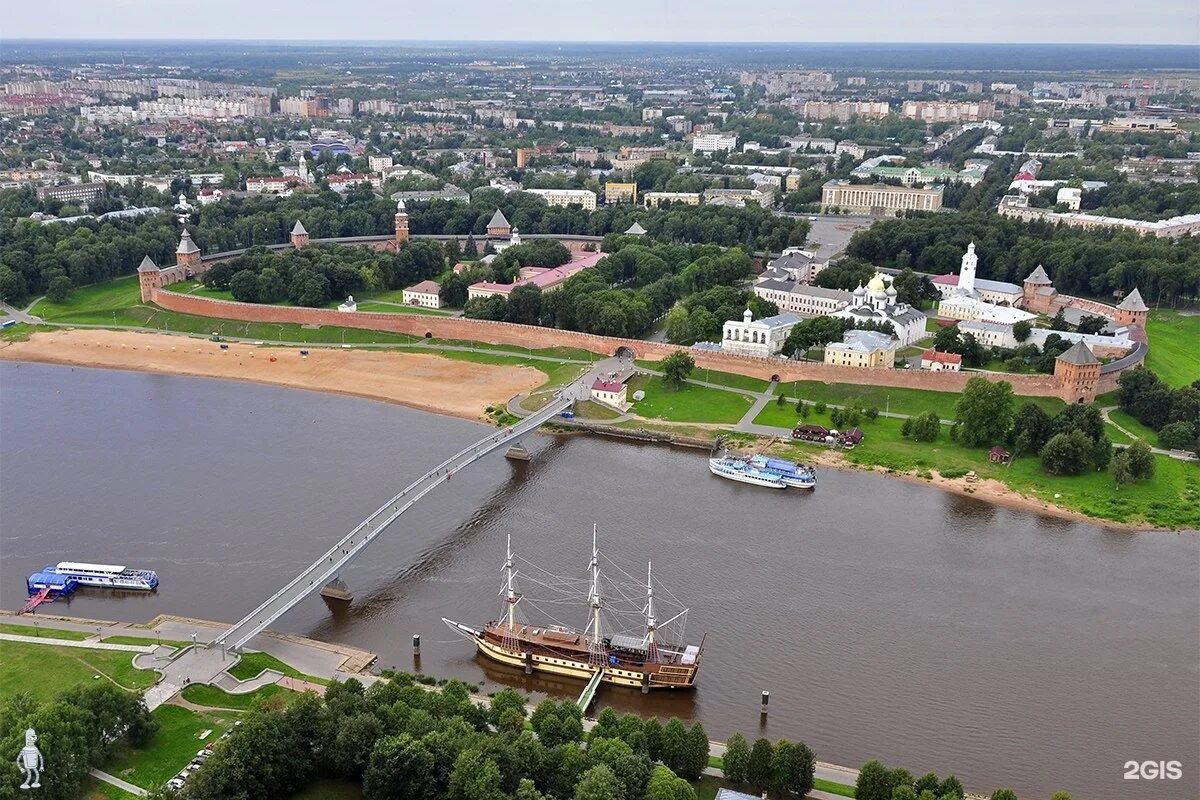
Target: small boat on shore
column 792, row 474
column 741, row 470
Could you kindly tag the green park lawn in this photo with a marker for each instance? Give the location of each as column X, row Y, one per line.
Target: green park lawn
column 389, row 301
column 144, row 640
column 173, row 745
column 687, row 404
column 886, row 398
column 45, row 670
column 44, row 631
column 713, row 376
column 1133, row 426
column 252, row 665
column 91, row 302
column 1174, row 346
column 1170, row 499
column 594, row 411
column 204, row 695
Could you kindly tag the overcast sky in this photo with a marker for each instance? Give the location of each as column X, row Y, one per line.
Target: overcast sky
column 1066, row 21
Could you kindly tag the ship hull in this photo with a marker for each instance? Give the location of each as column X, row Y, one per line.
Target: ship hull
column 655, row 676
column 743, row 477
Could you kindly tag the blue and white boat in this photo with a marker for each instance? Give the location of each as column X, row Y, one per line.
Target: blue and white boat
column 105, row 576
column 791, row 473
column 740, row 470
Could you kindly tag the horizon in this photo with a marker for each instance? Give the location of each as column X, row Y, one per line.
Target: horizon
column 606, row 42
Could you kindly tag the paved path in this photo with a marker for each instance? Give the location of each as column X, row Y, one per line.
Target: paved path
column 117, row 782
column 22, row 315
column 1178, row 455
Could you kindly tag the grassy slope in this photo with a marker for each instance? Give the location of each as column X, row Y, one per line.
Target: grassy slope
column 44, row 670
column 252, row 665
column 99, row 299
column 714, row 376
column 1170, row 499
column 44, row 631
column 172, row 747
column 1174, row 346
column 205, row 695
column 896, row 400
column 688, row 404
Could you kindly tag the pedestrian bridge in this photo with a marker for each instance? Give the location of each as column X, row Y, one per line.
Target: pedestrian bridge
column 330, row 564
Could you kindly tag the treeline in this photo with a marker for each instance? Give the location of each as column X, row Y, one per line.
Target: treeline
column 78, row 731
column 1091, row 263
column 314, row 275
column 406, row 742
column 36, row 257
column 1072, row 442
column 1150, row 201
column 1022, row 358
column 1173, row 413
column 752, row 227
column 701, row 317
column 625, row 292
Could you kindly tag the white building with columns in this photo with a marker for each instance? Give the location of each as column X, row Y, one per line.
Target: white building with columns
column 761, row 338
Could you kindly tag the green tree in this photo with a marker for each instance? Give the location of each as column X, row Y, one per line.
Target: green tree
column 399, row 768
column 923, row 428
column 1022, row 329
column 926, row 783
column 696, row 758
column 1178, row 436
column 1067, row 453
column 665, row 785
column 952, row 786
column 598, row 783
column 59, row 289
column 762, row 756
column 1004, row 794
column 475, row 777
column 244, row 286
column 676, row 367
column 874, row 782
column 1031, row 428
column 737, row 759
column 983, row 412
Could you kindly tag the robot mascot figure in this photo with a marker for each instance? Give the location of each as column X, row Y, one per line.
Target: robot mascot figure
column 30, row 760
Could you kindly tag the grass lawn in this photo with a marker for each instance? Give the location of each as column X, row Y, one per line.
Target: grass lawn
column 95, row 789
column 44, row 631
column 833, row 788
column 45, row 670
column 144, row 640
column 714, row 376
column 172, row 747
column 98, row 299
column 204, row 695
column 1174, row 346
column 1170, row 499
column 1133, row 426
column 687, row 404
column 784, row 416
column 894, row 399
column 252, row 665
column 595, row 411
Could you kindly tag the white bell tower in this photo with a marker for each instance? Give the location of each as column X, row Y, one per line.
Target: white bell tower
column 966, row 275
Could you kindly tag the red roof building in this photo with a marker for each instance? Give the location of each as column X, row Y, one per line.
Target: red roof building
column 937, row 361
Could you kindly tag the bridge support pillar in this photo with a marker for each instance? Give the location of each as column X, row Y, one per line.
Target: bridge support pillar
column 337, row 589
column 517, row 452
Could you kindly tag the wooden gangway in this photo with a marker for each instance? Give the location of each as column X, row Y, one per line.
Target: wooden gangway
column 589, row 692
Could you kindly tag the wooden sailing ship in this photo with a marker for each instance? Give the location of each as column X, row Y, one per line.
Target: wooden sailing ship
column 641, row 657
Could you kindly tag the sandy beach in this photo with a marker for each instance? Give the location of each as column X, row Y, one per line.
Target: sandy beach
column 431, row 383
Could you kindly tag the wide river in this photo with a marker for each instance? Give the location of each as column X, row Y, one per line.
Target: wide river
column 888, row 619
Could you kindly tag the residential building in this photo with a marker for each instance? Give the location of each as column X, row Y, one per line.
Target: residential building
column 764, row 196
column 880, row 197
column 655, row 199
column 379, row 163
column 937, row 361
column 761, row 338
column 620, row 192
column 714, row 142
column 1018, row 207
column 843, row 111
column 567, row 197
column 424, row 294
column 448, row 192
column 870, row 349
column 799, row 266
column 72, row 192
column 942, row 111
column 798, row 298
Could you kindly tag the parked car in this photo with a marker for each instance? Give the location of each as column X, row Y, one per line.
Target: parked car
column 175, row 783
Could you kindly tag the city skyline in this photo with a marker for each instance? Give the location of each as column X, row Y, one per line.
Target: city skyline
column 1172, row 22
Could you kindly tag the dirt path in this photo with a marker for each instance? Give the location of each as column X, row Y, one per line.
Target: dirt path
column 459, row 388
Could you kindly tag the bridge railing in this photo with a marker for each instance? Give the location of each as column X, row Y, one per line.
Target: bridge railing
column 346, row 548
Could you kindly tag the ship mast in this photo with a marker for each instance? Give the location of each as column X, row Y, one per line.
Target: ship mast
column 594, row 597
column 510, row 596
column 651, row 646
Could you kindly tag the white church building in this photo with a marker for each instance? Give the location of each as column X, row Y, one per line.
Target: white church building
column 966, row 301
column 761, row 338
column 876, row 302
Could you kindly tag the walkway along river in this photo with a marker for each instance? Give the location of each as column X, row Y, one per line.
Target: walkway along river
column 888, row 619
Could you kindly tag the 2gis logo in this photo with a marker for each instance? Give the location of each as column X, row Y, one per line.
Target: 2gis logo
column 1153, row 770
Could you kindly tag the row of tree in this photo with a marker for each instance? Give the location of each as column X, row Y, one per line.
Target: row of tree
column 78, row 731
column 312, row 276
column 1093, row 263
column 1173, row 413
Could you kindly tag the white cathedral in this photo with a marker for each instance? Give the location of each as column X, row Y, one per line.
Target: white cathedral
column 876, row 302
column 965, row 302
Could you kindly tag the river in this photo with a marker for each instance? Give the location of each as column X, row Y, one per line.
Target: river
column 888, row 619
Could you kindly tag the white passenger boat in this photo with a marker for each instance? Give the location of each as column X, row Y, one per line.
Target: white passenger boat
column 106, row 576
column 792, row 474
column 735, row 469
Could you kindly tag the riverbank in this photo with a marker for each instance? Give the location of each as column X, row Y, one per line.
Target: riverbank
column 459, row 388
